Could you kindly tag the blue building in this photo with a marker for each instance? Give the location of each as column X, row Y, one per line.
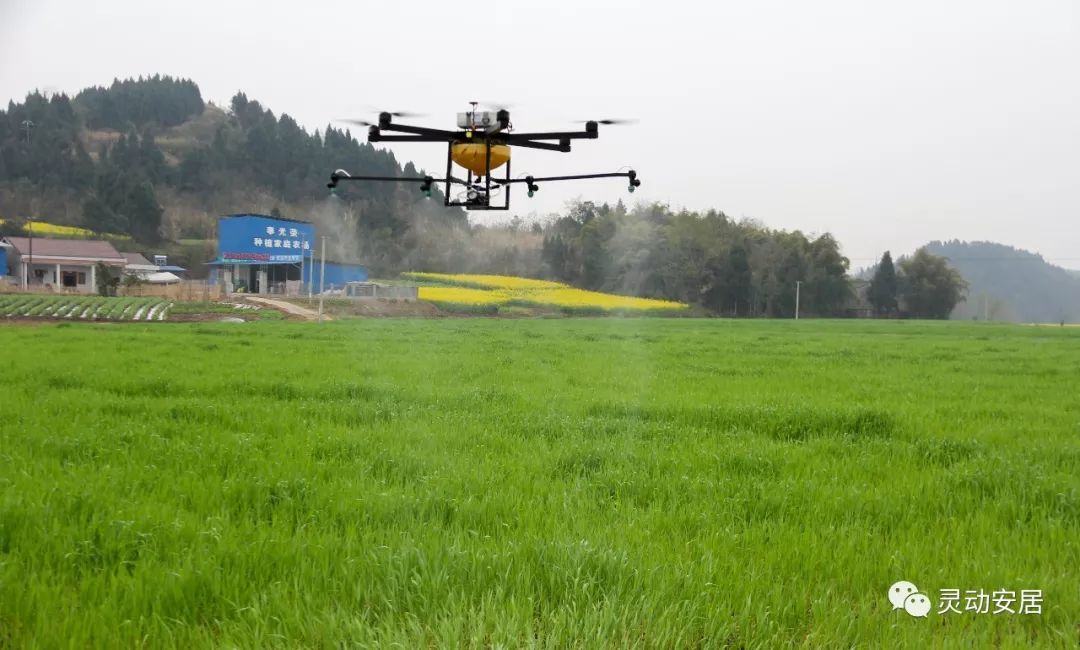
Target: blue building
column 263, row 254
column 338, row 274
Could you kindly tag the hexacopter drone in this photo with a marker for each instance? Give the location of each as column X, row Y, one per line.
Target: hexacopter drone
column 481, row 146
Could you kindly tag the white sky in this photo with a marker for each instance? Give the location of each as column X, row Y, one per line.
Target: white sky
column 888, row 124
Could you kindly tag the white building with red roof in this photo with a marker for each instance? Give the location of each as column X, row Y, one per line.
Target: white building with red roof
column 60, row 264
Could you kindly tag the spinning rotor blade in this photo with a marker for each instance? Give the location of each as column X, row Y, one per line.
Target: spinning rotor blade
column 498, row 106
column 610, row 121
column 376, row 123
column 357, row 122
column 367, row 108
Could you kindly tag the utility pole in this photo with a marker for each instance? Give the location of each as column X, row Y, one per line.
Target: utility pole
column 322, row 275
column 303, row 263
column 311, row 274
column 27, row 124
column 30, row 266
column 798, row 284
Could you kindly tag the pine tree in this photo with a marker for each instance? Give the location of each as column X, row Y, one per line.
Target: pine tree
column 144, row 212
column 884, row 287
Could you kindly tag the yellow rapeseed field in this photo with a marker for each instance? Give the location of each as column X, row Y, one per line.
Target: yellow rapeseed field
column 570, row 297
column 42, row 228
column 55, row 230
column 492, row 290
column 461, row 296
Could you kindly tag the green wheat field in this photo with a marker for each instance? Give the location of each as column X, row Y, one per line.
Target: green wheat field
column 557, row 483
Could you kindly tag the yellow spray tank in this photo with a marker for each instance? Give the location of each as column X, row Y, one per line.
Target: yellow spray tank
column 473, row 156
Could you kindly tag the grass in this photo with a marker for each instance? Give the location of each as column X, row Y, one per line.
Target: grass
column 548, row 483
column 225, row 309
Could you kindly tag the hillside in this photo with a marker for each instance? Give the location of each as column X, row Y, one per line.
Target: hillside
column 150, row 158
column 1007, row 283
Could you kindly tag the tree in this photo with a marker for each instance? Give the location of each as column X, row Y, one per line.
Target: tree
column 98, row 216
column 144, row 213
column 107, row 279
column 932, row 288
column 884, row 287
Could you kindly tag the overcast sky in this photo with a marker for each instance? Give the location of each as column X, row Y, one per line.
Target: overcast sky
column 887, row 124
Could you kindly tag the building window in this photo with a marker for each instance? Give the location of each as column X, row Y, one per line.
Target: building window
column 82, row 278
column 39, row 274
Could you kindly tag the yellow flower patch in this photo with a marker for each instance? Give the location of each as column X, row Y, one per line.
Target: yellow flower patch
column 480, row 290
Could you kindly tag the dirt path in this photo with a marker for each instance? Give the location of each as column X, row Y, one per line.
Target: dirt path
column 289, row 308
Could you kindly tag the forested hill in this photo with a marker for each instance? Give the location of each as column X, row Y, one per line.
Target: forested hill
column 149, row 157
column 1007, row 283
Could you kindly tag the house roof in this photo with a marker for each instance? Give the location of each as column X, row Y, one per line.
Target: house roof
column 263, row 216
column 137, row 258
column 162, row 278
column 67, row 249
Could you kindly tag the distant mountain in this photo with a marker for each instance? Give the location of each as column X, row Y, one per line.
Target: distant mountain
column 1007, row 283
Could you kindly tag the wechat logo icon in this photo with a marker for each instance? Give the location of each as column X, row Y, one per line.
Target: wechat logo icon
column 905, row 595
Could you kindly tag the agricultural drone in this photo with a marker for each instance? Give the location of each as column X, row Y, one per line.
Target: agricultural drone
column 481, row 146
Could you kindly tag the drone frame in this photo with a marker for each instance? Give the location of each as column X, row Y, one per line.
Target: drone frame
column 497, row 134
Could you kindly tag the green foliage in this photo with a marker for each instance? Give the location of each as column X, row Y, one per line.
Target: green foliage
column 731, row 268
column 932, row 288
column 107, row 278
column 884, row 287
column 252, row 147
column 48, row 153
column 534, row 483
column 157, row 100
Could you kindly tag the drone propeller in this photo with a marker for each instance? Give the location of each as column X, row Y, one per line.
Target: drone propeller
column 498, row 106
column 356, row 122
column 405, row 114
column 375, row 110
column 609, row 122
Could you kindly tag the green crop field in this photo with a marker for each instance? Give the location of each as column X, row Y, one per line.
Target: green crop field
column 540, row 483
column 100, row 308
column 82, row 307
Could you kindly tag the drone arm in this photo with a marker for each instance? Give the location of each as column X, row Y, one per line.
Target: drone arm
column 547, row 146
column 554, row 135
column 425, row 181
column 378, row 137
column 436, row 134
column 531, row 181
column 632, row 175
